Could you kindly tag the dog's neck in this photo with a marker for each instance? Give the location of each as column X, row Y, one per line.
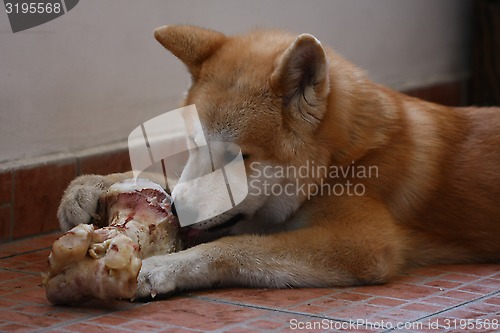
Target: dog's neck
column 359, row 117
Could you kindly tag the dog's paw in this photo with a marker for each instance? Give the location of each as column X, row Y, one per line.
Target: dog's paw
column 156, row 277
column 80, row 200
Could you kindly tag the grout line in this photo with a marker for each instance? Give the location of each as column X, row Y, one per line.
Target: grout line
column 448, row 309
column 28, row 238
column 31, row 326
column 84, row 319
column 66, row 323
column 440, row 293
column 261, row 307
column 272, row 309
column 25, row 252
column 19, row 271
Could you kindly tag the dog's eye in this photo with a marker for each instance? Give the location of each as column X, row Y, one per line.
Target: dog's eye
column 245, row 156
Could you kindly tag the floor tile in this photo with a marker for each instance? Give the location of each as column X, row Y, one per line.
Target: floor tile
column 385, row 302
column 401, row 291
column 22, row 283
column 275, row 298
column 32, row 262
column 178, row 330
column 290, row 322
column 443, row 284
column 17, row 328
column 472, row 269
column 426, row 294
column 445, row 301
column 493, row 281
column 480, row 289
column 31, row 295
column 461, row 295
column 28, row 244
column 142, row 325
column 423, row 307
column 363, row 311
column 458, row 277
column 28, row 319
column 88, row 327
column 110, row 320
column 495, row 300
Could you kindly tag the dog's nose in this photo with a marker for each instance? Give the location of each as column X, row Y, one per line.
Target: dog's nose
column 172, row 208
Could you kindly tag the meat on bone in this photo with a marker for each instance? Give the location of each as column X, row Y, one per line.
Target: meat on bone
column 89, row 262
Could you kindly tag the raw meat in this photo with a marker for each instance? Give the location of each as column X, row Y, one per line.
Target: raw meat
column 90, row 262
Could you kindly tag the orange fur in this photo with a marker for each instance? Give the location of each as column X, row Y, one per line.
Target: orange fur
column 439, row 184
column 286, row 100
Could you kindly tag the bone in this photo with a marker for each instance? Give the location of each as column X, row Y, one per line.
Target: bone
column 89, row 262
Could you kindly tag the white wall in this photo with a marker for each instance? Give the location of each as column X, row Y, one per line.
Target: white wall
column 91, row 76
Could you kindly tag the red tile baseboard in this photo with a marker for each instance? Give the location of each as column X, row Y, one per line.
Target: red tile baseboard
column 454, row 93
column 30, row 191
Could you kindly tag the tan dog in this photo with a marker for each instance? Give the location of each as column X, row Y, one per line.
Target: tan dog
column 424, row 178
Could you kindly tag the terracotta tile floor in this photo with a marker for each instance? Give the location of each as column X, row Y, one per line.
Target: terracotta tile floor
column 435, row 299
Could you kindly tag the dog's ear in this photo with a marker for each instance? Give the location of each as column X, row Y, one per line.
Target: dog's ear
column 301, row 79
column 192, row 45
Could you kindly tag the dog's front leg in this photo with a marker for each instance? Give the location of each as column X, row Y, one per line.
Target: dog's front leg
column 313, row 257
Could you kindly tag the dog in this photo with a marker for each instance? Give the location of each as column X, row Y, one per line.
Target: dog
column 424, row 178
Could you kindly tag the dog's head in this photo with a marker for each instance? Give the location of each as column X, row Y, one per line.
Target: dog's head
column 265, row 92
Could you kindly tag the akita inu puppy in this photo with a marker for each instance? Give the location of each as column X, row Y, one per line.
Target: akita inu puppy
column 424, row 188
